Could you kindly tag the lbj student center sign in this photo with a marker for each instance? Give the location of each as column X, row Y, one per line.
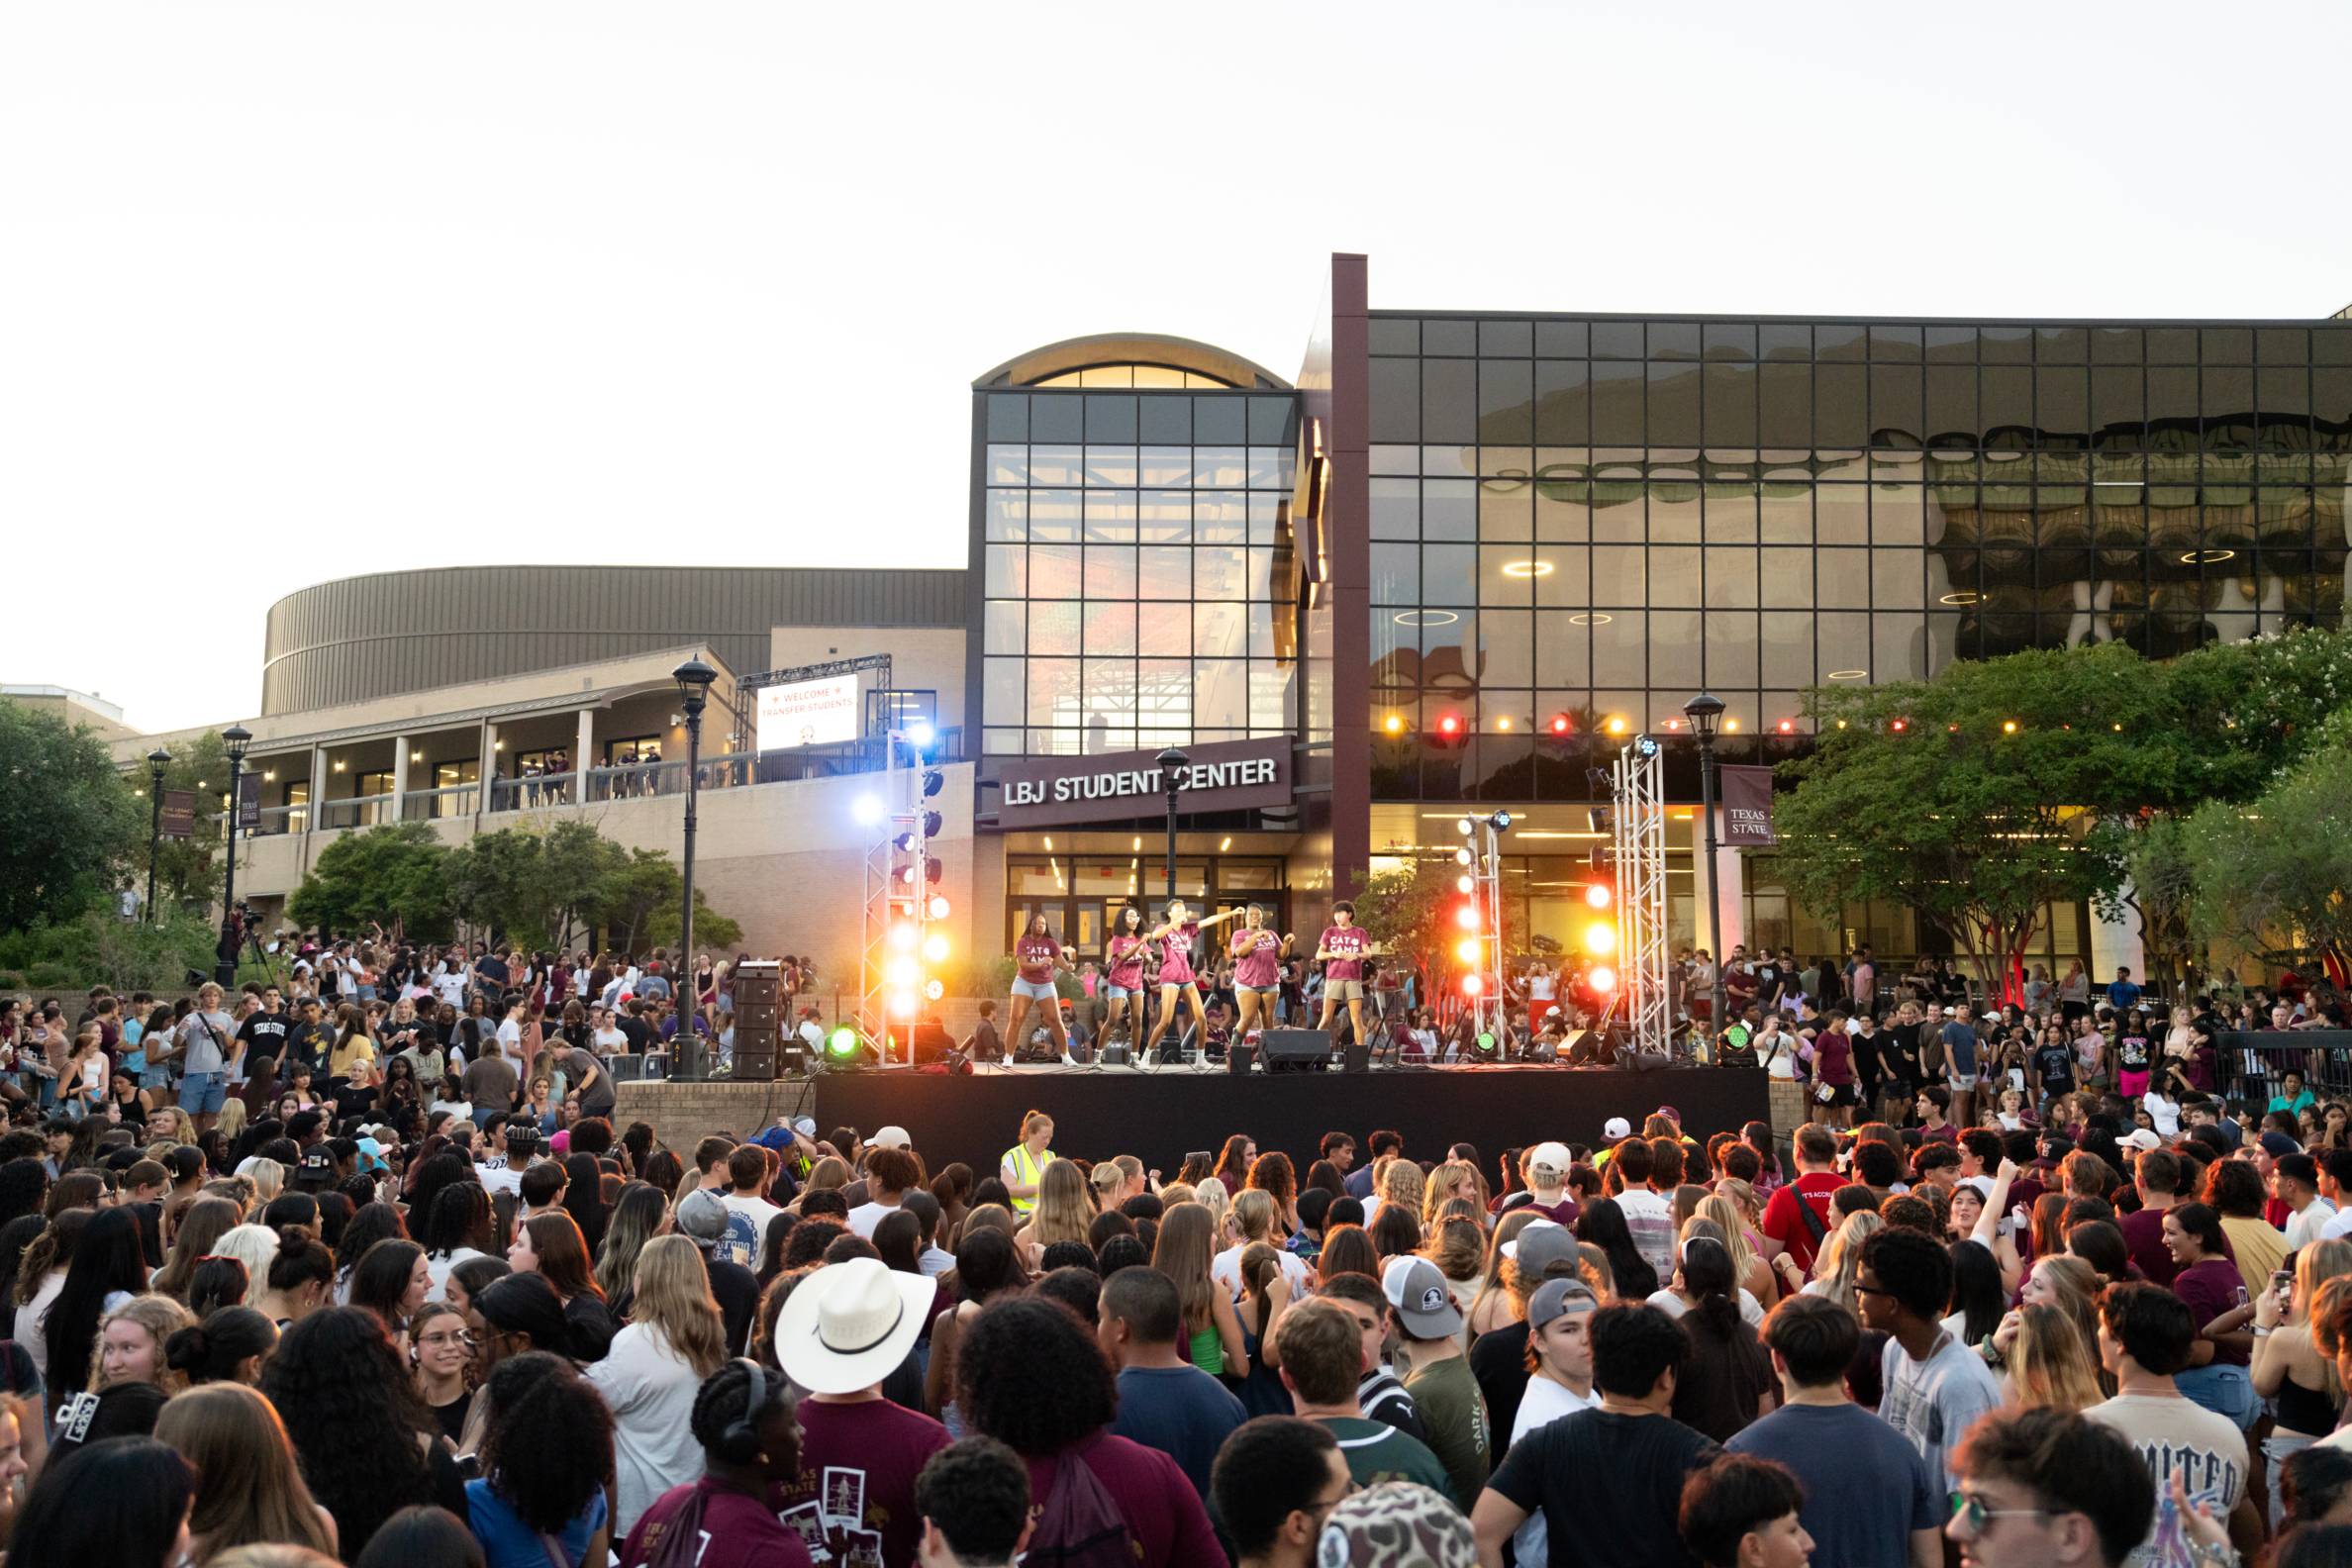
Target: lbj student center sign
column 1227, row 775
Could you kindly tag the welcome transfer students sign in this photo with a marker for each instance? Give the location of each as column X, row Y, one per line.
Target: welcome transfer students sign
column 1223, row 775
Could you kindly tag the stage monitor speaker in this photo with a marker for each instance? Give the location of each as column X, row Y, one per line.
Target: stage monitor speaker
column 1295, row 1050
column 1114, row 1052
column 932, row 1042
column 1356, row 1059
column 1238, row 1057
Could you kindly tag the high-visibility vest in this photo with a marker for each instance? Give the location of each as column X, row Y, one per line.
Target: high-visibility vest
column 1026, row 1169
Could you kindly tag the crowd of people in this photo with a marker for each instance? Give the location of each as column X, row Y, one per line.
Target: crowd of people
column 497, row 1324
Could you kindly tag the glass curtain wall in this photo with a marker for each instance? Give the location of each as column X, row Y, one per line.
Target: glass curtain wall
column 1139, row 589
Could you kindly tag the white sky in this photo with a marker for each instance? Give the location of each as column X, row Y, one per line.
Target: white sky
column 296, row 291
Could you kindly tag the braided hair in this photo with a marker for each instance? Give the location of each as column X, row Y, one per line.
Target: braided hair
column 723, row 1407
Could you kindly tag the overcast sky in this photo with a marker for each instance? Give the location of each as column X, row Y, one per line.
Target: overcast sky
column 297, row 291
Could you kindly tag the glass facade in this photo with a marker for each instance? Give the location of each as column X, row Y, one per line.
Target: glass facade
column 1138, row 586
column 1580, row 520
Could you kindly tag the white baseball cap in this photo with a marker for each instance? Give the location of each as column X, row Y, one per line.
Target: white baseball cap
column 1616, row 1127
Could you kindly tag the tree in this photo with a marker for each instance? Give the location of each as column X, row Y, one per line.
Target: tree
column 2163, row 890
column 541, row 888
column 1980, row 798
column 68, row 822
column 396, row 876
column 188, row 870
column 1408, row 913
column 2272, row 875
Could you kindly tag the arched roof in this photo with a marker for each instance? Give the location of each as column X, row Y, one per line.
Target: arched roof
column 1158, row 349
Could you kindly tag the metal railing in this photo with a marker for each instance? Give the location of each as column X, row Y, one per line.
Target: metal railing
column 437, row 805
column 2253, row 1063
column 533, row 792
column 359, row 810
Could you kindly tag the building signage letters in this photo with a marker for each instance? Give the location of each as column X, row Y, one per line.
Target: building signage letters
column 1223, row 775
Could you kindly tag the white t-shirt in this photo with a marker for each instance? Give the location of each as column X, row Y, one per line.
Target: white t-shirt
column 867, row 1215
column 649, row 1389
column 439, row 1269
column 1650, row 1218
column 759, row 1211
column 1226, row 1269
column 1673, row 1306
column 510, row 1038
column 609, row 1041
column 450, row 988
column 2310, row 1225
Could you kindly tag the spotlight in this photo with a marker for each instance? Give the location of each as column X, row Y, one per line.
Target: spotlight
column 1500, row 821
column 938, row 906
column 1472, row 985
column 900, row 971
column 1602, row 978
column 902, row 1003
column 921, row 736
column 933, row 781
column 902, row 936
column 867, row 809
column 841, row 1043
column 1467, row 917
column 1465, row 883
column 935, row 988
column 1466, row 827
column 1467, row 949
column 934, row 947
column 1462, row 855
column 1597, row 894
column 1600, row 938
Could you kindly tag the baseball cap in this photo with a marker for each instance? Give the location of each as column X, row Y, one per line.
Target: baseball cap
column 2277, row 1143
column 1556, row 1298
column 894, row 1138
column 702, row 1219
column 1616, row 1127
column 1551, row 1157
column 1418, row 1292
column 1540, row 1245
column 2141, row 1138
column 318, row 1161
column 1670, row 1113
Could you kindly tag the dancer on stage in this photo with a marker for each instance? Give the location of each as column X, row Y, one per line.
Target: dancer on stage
column 1174, row 936
column 1122, row 971
column 1342, row 949
column 1037, row 955
column 1257, row 957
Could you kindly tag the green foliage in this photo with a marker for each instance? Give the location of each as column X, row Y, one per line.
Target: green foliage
column 99, row 947
column 712, row 929
column 68, row 821
column 396, row 876
column 188, row 870
column 544, row 888
column 1409, row 911
column 2270, row 875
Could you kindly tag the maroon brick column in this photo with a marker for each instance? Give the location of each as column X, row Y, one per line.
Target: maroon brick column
column 1349, row 442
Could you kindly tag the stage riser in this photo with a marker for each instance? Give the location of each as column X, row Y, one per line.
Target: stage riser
column 1159, row 1117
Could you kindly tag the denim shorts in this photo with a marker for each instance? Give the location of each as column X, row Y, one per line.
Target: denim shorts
column 1035, row 990
column 1121, row 993
column 202, row 1093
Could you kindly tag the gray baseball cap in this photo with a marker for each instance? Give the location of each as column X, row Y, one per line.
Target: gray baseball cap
column 1541, row 1243
column 702, row 1219
column 1556, row 1298
column 1418, row 1292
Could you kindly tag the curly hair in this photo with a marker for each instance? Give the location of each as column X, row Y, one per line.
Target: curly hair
column 461, row 1217
column 1016, row 1348
column 353, row 1418
column 376, row 1222
column 549, row 1441
column 724, row 1398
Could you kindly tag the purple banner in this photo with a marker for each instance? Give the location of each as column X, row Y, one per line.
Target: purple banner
column 1747, row 806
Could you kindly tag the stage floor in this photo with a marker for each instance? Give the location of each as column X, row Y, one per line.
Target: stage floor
column 1159, row 1114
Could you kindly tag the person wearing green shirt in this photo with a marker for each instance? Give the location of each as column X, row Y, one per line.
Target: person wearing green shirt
column 1453, row 1412
column 1322, row 1360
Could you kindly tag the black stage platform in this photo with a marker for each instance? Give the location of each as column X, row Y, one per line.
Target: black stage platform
column 1159, row 1116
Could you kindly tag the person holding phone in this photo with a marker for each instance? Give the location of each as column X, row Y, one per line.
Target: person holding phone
column 2287, row 1368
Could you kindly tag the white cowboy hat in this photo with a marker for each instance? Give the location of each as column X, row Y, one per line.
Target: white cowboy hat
column 849, row 1326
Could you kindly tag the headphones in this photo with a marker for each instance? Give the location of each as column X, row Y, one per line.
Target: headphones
column 739, row 1443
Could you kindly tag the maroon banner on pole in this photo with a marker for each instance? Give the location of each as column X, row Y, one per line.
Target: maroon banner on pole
column 179, row 814
column 1747, row 806
column 248, row 801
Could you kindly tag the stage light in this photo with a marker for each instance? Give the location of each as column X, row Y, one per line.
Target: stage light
column 902, row 936
column 1598, row 895
column 843, row 1041
column 1465, row 827
column 1559, row 724
column 938, row 906
column 933, row 822
column 920, row 736
column 1467, row 917
column 902, row 1003
column 932, row 782
column 1462, row 855
column 1601, row 939
column 901, row 971
column 1465, row 883
column 1472, row 985
column 1602, row 978
column 935, row 988
column 1467, row 949
column 934, row 947
column 1500, row 821
column 867, row 809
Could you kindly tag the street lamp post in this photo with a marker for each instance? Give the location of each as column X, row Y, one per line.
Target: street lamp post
column 1172, row 764
column 1702, row 711
column 694, row 679
column 157, row 760
column 236, row 737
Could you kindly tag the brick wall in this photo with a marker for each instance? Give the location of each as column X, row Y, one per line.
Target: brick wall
column 685, row 1114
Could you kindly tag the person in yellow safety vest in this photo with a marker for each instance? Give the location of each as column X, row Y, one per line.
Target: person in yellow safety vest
column 1025, row 1162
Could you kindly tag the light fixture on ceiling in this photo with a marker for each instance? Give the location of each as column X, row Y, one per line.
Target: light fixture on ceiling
column 1428, row 618
column 1527, row 568
column 2206, row 558
column 1849, row 675
column 1590, row 618
column 1966, row 596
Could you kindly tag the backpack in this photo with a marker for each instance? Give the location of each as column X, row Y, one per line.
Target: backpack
column 1080, row 1526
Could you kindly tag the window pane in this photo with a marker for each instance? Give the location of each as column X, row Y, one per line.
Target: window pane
column 1111, row 627
column 1053, row 697
column 1001, row 692
column 1053, row 627
column 1220, row 517
column 1054, row 516
column 1008, row 465
column 1164, row 572
column 1056, row 464
column 1111, row 517
column 1109, row 571
column 1004, row 567
column 1165, row 517
column 1007, row 514
column 1395, row 574
column 1166, row 465
column 1163, row 629
column 1053, row 571
column 1005, row 627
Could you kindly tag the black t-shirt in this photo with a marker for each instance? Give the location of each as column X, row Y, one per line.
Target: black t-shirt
column 737, row 1290
column 1768, row 983
column 2131, row 1053
column 1499, row 1361
column 2056, row 1064
column 310, row 1044
column 639, row 1031
column 1609, row 1487
column 1867, row 1064
column 264, row 1036
column 492, row 972
column 1901, row 1053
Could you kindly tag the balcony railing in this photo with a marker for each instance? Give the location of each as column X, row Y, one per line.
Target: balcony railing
column 437, row 805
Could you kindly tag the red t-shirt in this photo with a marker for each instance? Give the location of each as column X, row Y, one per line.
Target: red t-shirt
column 858, row 1463
column 1255, row 950
column 1176, row 955
column 1784, row 1224
column 1127, row 961
column 2143, row 1237
column 738, row 1531
column 1035, row 956
column 1162, row 1510
column 1351, row 940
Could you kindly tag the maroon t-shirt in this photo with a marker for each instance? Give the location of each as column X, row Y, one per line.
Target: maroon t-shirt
column 1162, row 1510
column 859, row 1461
column 1037, row 955
column 1344, row 939
column 2209, row 1286
column 1255, row 950
column 1176, row 955
column 1127, row 961
column 2143, row 1235
column 737, row 1530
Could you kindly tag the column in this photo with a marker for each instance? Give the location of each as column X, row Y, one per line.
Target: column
column 1732, row 883
column 318, row 789
column 487, row 769
column 399, row 776
column 583, row 749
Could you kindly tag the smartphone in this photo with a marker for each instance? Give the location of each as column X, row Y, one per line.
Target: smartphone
column 2282, row 1284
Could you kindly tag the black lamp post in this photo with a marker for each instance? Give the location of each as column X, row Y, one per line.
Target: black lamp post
column 236, row 737
column 1172, row 764
column 157, row 760
column 694, row 679
column 1703, row 711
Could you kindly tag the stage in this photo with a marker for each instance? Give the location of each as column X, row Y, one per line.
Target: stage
column 1160, row 1113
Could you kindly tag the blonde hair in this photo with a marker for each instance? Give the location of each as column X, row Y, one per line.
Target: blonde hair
column 2049, row 1364
column 254, row 1245
column 1178, row 1192
column 2316, row 1265
column 161, row 1317
column 269, row 1179
column 1743, row 1197
column 1254, row 1208
column 1490, row 1273
column 1212, row 1196
column 1726, row 1218
column 1403, row 1183
column 248, row 1489
column 673, row 1298
column 1840, row 1260
column 1455, row 1247
column 1064, row 1211
column 1435, row 1190
column 1186, row 1245
column 233, row 1117
column 828, row 1173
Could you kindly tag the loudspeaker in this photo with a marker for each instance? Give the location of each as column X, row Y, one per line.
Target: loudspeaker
column 1584, row 1048
column 755, row 988
column 1356, row 1059
column 1295, row 1050
column 755, row 1061
column 930, row 1041
column 1238, row 1057
column 1114, row 1052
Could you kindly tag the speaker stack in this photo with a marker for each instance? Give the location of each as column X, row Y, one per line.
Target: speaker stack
column 1295, row 1050
column 758, row 1017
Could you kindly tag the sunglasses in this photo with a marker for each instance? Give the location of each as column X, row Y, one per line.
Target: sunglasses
column 1971, row 1515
